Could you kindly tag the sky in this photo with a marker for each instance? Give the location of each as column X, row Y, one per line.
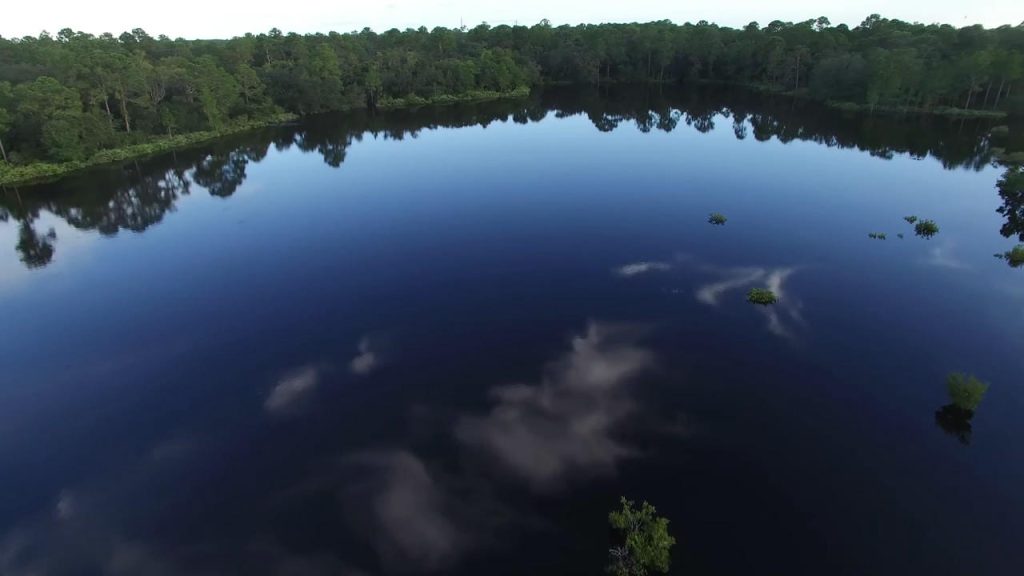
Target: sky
column 219, row 19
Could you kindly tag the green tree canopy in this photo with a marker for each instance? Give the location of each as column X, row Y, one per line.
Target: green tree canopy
column 645, row 544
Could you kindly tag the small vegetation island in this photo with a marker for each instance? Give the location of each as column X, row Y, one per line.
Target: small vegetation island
column 926, row 228
column 762, row 296
column 1014, row 257
column 717, row 218
column 74, row 99
column 965, row 394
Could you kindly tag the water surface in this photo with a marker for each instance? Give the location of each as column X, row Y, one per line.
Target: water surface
column 447, row 341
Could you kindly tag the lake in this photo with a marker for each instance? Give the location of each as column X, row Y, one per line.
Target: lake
column 446, row 341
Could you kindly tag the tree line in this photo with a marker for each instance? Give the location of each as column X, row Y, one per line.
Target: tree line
column 134, row 196
column 65, row 97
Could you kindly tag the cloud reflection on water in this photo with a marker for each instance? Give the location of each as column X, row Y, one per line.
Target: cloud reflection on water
column 637, row 268
column 417, row 515
column 412, row 518
column 782, row 317
column 292, row 391
column 367, row 360
column 565, row 424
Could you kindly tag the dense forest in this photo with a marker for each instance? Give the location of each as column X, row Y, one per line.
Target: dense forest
column 134, row 196
column 66, row 97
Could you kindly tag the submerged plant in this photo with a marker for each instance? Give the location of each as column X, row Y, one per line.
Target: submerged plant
column 965, row 391
column 926, row 228
column 910, row 219
column 762, row 296
column 877, row 235
column 717, row 218
column 900, row 235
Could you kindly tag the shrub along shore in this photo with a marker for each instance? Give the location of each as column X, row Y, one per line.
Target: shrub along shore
column 67, row 98
column 42, row 171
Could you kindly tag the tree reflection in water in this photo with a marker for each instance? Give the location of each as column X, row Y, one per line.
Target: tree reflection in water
column 137, row 194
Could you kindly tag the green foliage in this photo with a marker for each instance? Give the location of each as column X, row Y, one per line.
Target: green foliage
column 876, row 235
column 44, row 170
column 910, row 219
column 1009, row 158
column 926, row 228
column 1013, row 257
column 446, row 99
column 717, row 219
column 761, row 296
column 67, row 96
column 965, row 391
column 1011, row 191
column 645, row 544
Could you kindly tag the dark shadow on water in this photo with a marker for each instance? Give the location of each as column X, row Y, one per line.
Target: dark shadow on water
column 955, row 421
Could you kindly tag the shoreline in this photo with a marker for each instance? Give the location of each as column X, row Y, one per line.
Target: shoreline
column 44, row 171
column 881, row 109
column 39, row 172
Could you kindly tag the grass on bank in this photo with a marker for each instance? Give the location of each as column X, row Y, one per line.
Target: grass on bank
column 947, row 111
column 44, row 170
column 38, row 171
column 845, row 106
column 413, row 101
column 1004, row 157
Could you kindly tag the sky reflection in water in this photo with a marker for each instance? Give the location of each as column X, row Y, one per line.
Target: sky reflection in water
column 447, row 341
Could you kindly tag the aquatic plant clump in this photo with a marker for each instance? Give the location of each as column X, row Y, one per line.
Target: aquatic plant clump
column 926, row 228
column 910, row 219
column 900, row 236
column 762, row 296
column 717, row 218
column 965, row 391
column 1015, row 257
column 877, row 235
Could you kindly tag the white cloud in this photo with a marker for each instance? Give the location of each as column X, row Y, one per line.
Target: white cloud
column 786, row 305
column 780, row 316
column 642, row 268
column 943, row 257
column 736, row 278
column 65, row 507
column 412, row 519
column 566, row 423
column 366, row 361
column 291, row 390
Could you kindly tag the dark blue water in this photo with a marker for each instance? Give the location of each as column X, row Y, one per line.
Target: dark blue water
column 447, row 341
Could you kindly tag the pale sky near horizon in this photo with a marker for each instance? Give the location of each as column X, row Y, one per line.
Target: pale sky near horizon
column 213, row 19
